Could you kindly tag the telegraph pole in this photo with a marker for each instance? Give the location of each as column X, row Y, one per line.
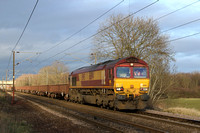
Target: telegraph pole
column 13, row 77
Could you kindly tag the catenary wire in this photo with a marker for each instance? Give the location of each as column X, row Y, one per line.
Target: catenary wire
column 166, row 16
column 84, row 26
column 176, row 39
column 22, row 32
column 160, row 18
column 180, row 38
column 98, row 32
column 174, row 11
column 181, row 25
column 80, row 29
column 183, row 37
column 177, row 10
column 25, row 25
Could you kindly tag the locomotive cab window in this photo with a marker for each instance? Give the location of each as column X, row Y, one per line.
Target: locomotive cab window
column 123, row 72
column 140, row 72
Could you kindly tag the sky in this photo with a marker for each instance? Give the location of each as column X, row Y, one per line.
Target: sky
column 61, row 30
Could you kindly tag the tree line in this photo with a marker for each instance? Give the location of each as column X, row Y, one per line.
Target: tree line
column 57, row 73
column 187, row 85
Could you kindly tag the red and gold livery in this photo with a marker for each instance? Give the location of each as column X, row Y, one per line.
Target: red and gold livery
column 118, row 84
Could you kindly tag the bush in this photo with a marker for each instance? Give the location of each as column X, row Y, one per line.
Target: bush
column 187, row 86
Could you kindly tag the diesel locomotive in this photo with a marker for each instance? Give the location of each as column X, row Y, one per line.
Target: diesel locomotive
column 118, row 84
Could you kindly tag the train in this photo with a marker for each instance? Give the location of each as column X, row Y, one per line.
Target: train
column 120, row 84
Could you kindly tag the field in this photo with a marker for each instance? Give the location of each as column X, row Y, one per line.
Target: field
column 186, row 106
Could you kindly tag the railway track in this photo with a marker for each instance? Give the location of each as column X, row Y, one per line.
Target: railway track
column 177, row 119
column 182, row 122
column 102, row 120
column 118, row 121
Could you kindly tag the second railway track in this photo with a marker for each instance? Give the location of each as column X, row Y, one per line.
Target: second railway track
column 189, row 122
column 114, row 121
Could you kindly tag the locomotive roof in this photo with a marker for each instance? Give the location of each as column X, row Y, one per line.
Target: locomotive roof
column 107, row 64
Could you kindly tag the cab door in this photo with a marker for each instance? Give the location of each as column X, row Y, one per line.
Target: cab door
column 111, row 76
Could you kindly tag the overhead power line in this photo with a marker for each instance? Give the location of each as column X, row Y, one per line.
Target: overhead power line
column 84, row 27
column 156, row 19
column 26, row 25
column 183, row 37
column 177, row 10
column 81, row 28
column 180, row 38
column 181, row 25
column 22, row 32
column 99, row 32
column 176, row 39
column 9, row 60
column 126, row 18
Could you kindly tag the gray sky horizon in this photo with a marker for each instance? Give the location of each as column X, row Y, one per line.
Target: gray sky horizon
column 54, row 21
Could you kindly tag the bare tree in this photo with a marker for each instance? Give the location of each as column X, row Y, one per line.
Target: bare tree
column 26, row 80
column 138, row 37
column 57, row 73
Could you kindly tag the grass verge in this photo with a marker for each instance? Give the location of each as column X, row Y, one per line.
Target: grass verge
column 8, row 121
column 186, row 106
column 183, row 111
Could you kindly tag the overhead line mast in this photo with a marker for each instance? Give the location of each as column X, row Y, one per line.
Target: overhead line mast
column 16, row 46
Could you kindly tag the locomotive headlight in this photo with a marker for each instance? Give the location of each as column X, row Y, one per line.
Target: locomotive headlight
column 143, row 89
column 119, row 89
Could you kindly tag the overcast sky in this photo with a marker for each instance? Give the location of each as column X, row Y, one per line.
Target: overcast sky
column 53, row 21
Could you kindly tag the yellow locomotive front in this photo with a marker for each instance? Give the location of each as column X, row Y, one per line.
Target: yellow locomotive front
column 131, row 84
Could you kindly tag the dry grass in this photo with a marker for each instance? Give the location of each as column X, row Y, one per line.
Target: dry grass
column 185, row 106
column 8, row 122
column 184, row 111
